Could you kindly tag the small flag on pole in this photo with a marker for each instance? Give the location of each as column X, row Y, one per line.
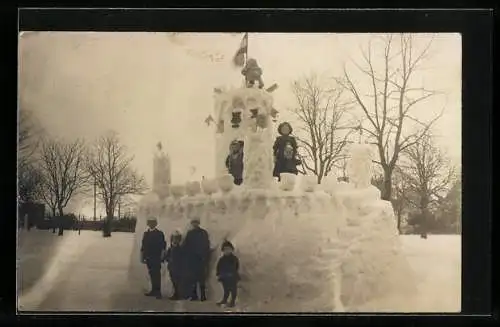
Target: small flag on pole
column 272, row 88
column 239, row 57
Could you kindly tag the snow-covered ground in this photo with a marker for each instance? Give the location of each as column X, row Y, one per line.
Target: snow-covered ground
column 437, row 262
column 75, row 265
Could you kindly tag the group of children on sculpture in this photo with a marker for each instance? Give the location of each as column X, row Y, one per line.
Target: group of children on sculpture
column 284, row 152
column 188, row 263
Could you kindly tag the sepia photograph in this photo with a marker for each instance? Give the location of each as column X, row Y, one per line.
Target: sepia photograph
column 190, row 172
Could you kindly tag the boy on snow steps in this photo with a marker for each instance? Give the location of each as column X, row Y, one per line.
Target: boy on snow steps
column 227, row 274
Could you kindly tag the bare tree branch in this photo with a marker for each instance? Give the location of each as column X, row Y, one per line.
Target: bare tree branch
column 320, row 111
column 427, row 173
column 394, row 97
column 110, row 167
column 29, row 134
column 62, row 166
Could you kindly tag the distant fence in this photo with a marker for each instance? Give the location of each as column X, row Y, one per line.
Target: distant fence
column 72, row 222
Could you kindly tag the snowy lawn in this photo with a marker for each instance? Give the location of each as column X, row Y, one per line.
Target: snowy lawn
column 42, row 257
column 35, row 250
column 73, row 262
column 437, row 262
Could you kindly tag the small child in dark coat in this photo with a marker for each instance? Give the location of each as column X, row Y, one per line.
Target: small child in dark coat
column 227, row 274
column 234, row 161
column 175, row 261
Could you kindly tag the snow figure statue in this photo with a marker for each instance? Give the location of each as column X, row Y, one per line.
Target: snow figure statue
column 302, row 248
column 252, row 73
column 161, row 171
column 360, row 165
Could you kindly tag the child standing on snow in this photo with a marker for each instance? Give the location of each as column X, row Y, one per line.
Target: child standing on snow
column 227, row 274
column 175, row 262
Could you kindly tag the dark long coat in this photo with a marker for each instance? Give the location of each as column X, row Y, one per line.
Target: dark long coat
column 282, row 163
column 196, row 249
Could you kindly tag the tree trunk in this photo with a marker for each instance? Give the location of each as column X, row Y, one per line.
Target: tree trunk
column 61, row 221
column 399, row 221
column 387, row 185
column 26, row 222
column 426, row 217
column 53, row 209
column 106, row 227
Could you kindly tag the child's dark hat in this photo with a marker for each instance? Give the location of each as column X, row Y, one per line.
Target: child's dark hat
column 280, row 127
column 227, row 244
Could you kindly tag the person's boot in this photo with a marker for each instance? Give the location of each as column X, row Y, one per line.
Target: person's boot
column 194, row 294
column 221, row 303
column 151, row 293
column 203, row 295
column 193, row 297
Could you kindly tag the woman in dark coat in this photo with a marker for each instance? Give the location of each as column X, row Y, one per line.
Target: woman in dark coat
column 196, row 248
column 285, row 151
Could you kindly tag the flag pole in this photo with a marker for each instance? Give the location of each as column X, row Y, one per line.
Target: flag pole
column 246, row 58
column 246, row 53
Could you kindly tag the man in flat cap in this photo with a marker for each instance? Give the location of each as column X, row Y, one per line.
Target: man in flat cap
column 197, row 250
column 152, row 254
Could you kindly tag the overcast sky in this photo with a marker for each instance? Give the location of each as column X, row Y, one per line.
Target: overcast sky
column 154, row 87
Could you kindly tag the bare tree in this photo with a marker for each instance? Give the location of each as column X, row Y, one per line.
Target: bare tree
column 28, row 174
column 450, row 209
column 427, row 175
column 399, row 199
column 387, row 101
column 111, row 168
column 62, row 166
column 28, row 137
column 30, row 183
column 319, row 111
column 127, row 205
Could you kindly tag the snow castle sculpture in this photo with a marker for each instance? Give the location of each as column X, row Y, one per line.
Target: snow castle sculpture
column 301, row 248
